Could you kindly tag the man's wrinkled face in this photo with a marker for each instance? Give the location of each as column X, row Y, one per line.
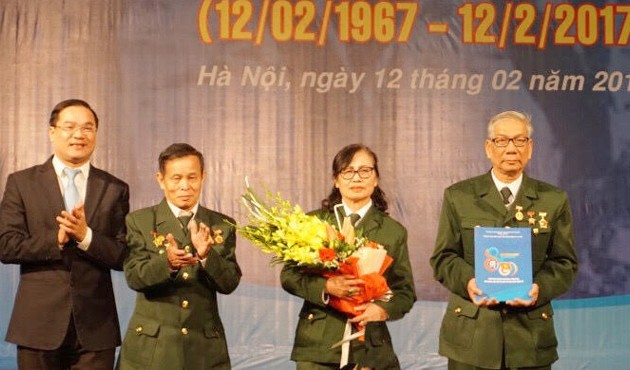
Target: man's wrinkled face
column 182, row 181
column 510, row 160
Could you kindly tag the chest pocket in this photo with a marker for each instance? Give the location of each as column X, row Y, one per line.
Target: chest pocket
column 469, row 223
column 468, row 235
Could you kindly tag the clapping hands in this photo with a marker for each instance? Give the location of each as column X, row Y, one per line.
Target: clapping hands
column 72, row 225
column 201, row 238
column 202, row 241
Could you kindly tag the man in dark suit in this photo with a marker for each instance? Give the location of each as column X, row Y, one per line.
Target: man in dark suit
column 481, row 333
column 181, row 255
column 63, row 223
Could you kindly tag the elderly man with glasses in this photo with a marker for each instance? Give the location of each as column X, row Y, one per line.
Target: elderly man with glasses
column 479, row 332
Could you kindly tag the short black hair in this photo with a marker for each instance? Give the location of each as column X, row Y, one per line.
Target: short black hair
column 54, row 115
column 179, row 150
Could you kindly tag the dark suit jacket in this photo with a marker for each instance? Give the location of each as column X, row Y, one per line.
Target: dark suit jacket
column 321, row 326
column 56, row 284
column 176, row 323
column 475, row 335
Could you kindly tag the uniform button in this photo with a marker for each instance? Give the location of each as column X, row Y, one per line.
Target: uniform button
column 458, row 310
column 184, row 304
column 504, row 311
column 310, row 317
column 139, row 330
column 161, row 251
column 187, row 249
column 184, row 331
column 185, row 276
column 545, row 316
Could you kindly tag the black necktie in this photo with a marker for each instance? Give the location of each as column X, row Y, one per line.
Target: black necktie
column 184, row 219
column 506, row 194
column 354, row 218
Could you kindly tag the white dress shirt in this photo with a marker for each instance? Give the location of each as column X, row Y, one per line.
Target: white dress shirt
column 81, row 183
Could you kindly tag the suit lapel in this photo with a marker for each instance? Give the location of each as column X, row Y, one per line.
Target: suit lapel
column 372, row 220
column 489, row 196
column 526, row 196
column 203, row 215
column 94, row 193
column 51, row 188
column 166, row 222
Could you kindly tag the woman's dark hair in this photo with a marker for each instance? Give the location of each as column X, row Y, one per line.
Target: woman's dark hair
column 341, row 161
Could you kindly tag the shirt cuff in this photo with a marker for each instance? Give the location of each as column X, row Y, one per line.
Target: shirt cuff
column 85, row 243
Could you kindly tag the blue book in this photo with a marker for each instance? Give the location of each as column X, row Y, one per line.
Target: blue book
column 503, row 262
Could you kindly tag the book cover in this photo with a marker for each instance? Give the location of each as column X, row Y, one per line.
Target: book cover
column 503, row 262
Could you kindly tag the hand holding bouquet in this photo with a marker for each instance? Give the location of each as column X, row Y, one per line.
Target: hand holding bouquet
column 368, row 263
column 298, row 239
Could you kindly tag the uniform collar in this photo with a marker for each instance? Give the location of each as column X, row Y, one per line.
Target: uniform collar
column 514, row 186
column 361, row 211
column 177, row 211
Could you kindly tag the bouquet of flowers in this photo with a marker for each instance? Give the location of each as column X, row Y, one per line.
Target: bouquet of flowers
column 298, row 239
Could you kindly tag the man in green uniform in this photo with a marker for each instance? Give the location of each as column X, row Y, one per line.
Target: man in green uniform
column 181, row 255
column 482, row 333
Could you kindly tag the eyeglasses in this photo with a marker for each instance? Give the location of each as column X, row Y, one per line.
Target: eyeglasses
column 85, row 129
column 502, row 142
column 364, row 173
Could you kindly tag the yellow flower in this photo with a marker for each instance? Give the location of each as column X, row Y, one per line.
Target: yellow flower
column 292, row 236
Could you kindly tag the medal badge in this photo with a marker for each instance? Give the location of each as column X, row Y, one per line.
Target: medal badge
column 519, row 213
column 543, row 223
column 530, row 217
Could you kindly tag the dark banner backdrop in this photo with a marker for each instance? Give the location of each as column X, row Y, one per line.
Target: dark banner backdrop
column 276, row 98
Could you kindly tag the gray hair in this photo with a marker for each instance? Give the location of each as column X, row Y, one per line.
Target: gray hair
column 519, row 116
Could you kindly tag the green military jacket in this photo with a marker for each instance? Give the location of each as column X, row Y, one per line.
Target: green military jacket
column 176, row 323
column 320, row 326
column 477, row 335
